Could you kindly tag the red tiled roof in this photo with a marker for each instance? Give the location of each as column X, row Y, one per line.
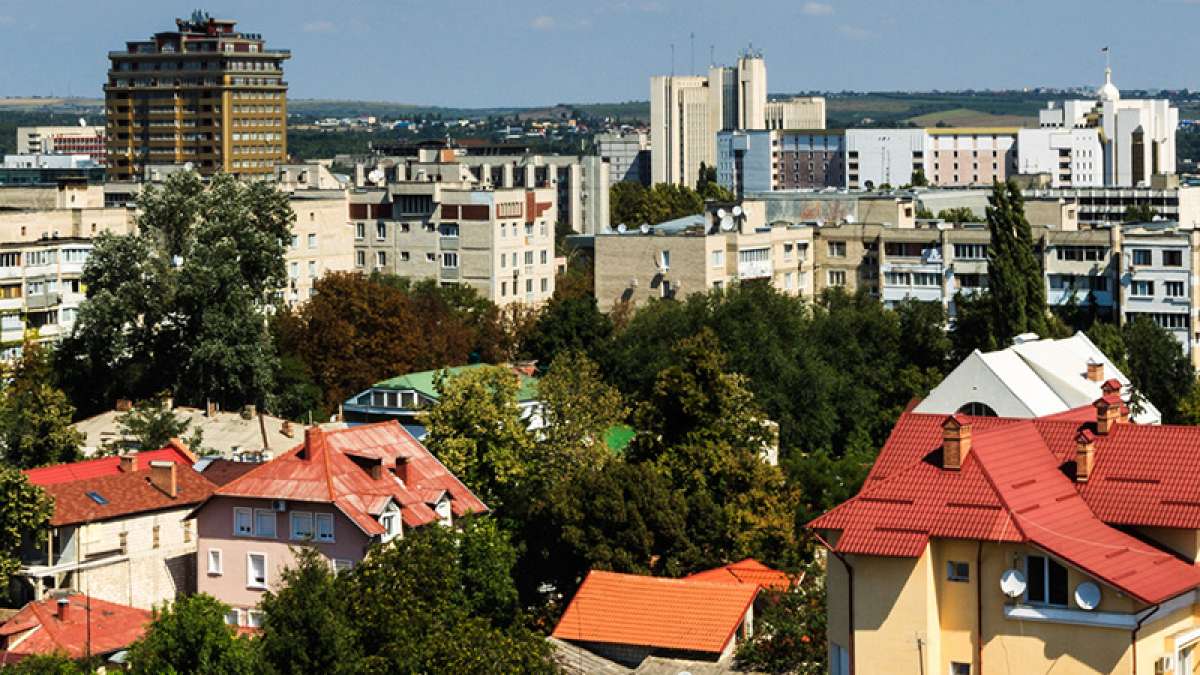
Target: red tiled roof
column 748, row 571
column 222, row 471
column 630, row 609
column 1014, row 486
column 323, row 469
column 107, row 466
column 123, row 494
column 36, row 628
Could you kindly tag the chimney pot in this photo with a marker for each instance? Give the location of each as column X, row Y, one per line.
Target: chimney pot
column 128, row 463
column 1085, row 455
column 1111, row 386
column 164, row 476
column 64, row 605
column 1095, row 371
column 1108, row 412
column 401, row 469
column 956, row 441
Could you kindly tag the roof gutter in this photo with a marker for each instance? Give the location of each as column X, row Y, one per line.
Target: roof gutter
column 850, row 593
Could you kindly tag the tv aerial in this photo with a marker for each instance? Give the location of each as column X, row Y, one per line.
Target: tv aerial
column 1087, row 596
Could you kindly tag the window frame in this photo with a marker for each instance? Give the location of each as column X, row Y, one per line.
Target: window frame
column 955, row 571
column 219, row 568
column 247, row 511
column 318, row 518
column 274, row 523
column 293, row 533
column 250, row 582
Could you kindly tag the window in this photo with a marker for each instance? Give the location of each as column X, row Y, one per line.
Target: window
column 254, row 618
column 360, row 258
column 977, row 409
column 324, row 522
column 926, row 279
column 787, row 250
column 312, row 241
column 958, row 668
column 718, row 258
column 302, row 525
column 1173, row 289
column 449, row 229
column 503, row 261
column 243, row 522
column 404, row 256
column 1172, row 258
column 233, row 617
column 528, row 257
column 340, row 566
column 214, row 561
column 544, row 257
column 264, row 523
column 971, row 251
column 381, row 258
column 1047, row 581
column 381, row 231
column 837, row 249
column 839, row 660
column 1141, row 287
column 545, row 284
column 664, row 259
column 503, row 288
column 1082, row 253
column 360, row 230
column 450, row 260
column 312, row 269
column 391, row 525
column 431, row 257
column 958, row 571
column 293, row 272
column 752, row 255
column 836, row 277
column 256, row 570
column 1142, row 256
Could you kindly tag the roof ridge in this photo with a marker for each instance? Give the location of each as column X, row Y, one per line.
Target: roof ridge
column 987, row 476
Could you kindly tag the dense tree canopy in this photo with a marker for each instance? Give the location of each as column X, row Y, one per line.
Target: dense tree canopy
column 25, row 512
column 35, row 416
column 633, row 204
column 190, row 636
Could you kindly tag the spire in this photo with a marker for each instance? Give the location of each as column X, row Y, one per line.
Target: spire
column 1108, row 91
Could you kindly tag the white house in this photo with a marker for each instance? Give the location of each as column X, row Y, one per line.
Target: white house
column 1032, row 378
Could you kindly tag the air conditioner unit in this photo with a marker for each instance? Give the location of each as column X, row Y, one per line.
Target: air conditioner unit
column 280, row 505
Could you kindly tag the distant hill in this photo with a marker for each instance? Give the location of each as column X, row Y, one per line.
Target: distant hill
column 965, row 117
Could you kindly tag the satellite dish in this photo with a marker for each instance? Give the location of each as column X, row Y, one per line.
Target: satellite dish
column 376, row 176
column 1012, row 582
column 645, row 228
column 82, row 122
column 737, row 212
column 820, row 222
column 621, row 228
column 1087, row 596
column 727, row 223
column 188, row 166
column 850, row 218
column 721, row 213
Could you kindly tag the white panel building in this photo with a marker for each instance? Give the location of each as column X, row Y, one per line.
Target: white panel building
column 1072, row 157
column 879, row 156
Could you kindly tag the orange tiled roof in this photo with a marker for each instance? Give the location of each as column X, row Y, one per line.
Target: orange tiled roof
column 630, row 609
column 748, row 571
column 36, row 629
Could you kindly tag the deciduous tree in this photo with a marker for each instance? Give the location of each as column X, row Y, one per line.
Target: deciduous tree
column 191, row 636
column 25, row 512
column 35, row 416
column 306, row 629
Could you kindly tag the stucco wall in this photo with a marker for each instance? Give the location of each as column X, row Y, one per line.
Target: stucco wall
column 146, row 575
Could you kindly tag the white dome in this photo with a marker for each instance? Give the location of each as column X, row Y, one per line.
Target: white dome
column 1108, row 91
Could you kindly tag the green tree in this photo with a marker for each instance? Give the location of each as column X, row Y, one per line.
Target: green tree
column 924, row 213
column 451, row 605
column 182, row 305
column 35, row 417
column 789, row 634
column 1111, row 342
column 1189, row 406
column 151, row 424
column 565, row 324
column 958, row 215
column 48, row 664
column 578, row 410
column 477, row 432
column 190, row 636
column 1139, row 213
column 709, row 189
column 306, row 629
column 25, row 512
column 1158, row 369
column 919, row 179
column 1017, row 288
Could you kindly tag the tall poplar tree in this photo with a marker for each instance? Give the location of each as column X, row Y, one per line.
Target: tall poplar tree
column 1018, row 293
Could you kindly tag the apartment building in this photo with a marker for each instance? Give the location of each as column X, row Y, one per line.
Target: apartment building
column 1157, row 279
column 203, row 94
column 694, row 254
column 82, row 139
column 627, row 155
column 762, row 161
column 1107, row 205
column 322, row 241
column 686, row 112
column 798, row 112
column 1071, row 157
column 949, row 157
column 446, row 227
column 581, row 182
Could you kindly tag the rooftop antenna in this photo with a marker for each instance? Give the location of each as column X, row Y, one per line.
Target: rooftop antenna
column 712, row 58
column 672, row 59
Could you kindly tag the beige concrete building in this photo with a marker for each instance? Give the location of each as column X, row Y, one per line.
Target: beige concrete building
column 80, row 139
column 798, row 112
column 445, row 226
column 322, row 240
column 695, row 254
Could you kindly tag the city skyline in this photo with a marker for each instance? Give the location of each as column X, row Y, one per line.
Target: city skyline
column 533, row 52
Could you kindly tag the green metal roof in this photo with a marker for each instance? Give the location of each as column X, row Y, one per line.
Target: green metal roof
column 423, row 382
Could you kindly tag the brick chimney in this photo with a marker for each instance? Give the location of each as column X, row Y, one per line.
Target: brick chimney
column 64, row 607
column 164, row 477
column 1085, row 455
column 956, row 441
column 1111, row 386
column 1108, row 413
column 286, row 429
column 128, row 462
column 401, row 469
column 124, row 405
column 1095, row 370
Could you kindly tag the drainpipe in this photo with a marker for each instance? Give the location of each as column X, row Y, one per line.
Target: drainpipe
column 1133, row 635
column 979, row 608
column 850, row 589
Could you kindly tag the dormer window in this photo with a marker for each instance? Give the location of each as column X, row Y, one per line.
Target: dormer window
column 390, row 520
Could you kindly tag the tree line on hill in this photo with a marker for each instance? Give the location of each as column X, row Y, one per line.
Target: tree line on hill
column 708, row 385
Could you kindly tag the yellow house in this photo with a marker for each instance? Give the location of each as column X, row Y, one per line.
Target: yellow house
column 1062, row 544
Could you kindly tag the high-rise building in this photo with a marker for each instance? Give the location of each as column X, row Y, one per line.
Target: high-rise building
column 686, row 112
column 203, row 94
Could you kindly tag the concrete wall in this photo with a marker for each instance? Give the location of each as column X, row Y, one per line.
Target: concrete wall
column 332, row 250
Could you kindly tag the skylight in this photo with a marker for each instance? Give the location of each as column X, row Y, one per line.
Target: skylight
column 98, row 498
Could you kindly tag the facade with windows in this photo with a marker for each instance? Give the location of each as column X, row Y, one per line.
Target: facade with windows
column 1157, row 266
column 322, row 241
column 499, row 241
column 341, row 492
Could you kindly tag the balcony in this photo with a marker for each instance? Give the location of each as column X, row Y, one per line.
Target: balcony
column 43, row 300
column 755, row 269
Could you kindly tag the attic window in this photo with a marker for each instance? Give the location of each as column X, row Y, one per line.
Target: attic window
column 977, row 409
column 98, row 498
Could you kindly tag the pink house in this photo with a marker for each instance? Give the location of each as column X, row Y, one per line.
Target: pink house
column 340, row 491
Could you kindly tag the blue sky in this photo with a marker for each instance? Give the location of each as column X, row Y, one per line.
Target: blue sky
column 533, row 52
